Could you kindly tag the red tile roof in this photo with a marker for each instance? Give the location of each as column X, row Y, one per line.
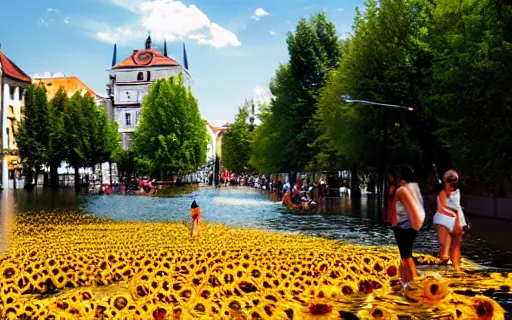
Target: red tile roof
column 145, row 58
column 69, row 84
column 11, row 70
column 216, row 129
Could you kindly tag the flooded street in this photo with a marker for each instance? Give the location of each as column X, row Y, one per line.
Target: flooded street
column 487, row 243
column 62, row 248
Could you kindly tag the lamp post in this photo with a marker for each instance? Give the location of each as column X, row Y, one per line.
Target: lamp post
column 386, row 106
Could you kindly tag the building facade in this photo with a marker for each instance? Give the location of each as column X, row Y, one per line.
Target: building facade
column 13, row 83
column 71, row 85
column 130, row 80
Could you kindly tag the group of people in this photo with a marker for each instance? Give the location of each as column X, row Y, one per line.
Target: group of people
column 407, row 214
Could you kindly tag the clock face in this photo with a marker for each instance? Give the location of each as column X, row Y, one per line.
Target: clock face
column 143, row 58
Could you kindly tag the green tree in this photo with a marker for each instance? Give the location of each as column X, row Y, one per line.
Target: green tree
column 57, row 135
column 171, row 136
column 471, row 86
column 77, row 130
column 32, row 137
column 314, row 50
column 386, row 60
column 236, row 142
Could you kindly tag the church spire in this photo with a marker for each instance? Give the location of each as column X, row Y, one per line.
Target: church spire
column 148, row 42
column 185, row 60
column 165, row 48
column 114, row 55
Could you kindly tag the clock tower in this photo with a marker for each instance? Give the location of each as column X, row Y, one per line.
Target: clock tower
column 130, row 80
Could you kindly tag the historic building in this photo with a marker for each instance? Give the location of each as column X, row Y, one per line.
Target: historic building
column 13, row 83
column 71, row 85
column 130, row 80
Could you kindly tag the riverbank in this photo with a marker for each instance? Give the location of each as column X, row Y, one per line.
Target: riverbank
column 65, row 263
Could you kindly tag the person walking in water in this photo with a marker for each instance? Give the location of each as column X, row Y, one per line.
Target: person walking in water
column 196, row 218
column 409, row 219
column 449, row 220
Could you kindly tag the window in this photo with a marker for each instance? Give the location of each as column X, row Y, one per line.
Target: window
column 149, row 76
column 11, row 92
column 140, row 76
column 137, row 117
column 127, row 141
column 22, row 93
column 128, row 118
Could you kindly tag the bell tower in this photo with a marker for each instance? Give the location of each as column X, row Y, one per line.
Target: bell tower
column 148, row 42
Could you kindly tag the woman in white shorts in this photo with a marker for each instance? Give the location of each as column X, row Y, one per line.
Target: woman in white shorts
column 449, row 220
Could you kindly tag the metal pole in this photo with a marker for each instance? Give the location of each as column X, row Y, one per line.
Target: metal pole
column 384, row 164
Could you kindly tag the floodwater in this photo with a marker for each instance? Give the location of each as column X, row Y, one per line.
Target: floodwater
column 487, row 243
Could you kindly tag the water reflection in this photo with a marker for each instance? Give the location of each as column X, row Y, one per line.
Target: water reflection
column 358, row 222
column 7, row 209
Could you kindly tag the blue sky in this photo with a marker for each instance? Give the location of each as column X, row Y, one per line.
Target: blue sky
column 233, row 46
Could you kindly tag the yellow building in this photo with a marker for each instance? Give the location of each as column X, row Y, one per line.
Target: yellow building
column 13, row 83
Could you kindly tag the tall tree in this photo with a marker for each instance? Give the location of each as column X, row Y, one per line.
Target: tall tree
column 314, row 50
column 236, row 142
column 387, row 60
column 171, row 136
column 57, row 136
column 77, row 129
column 32, row 137
column 472, row 78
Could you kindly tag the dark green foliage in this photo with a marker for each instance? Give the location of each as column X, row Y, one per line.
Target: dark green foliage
column 472, row 81
column 73, row 130
column 236, row 142
column 32, row 137
column 387, row 60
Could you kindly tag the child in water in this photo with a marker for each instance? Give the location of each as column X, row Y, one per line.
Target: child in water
column 196, row 217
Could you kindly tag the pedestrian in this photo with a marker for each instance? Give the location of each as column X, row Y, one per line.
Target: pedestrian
column 449, row 220
column 410, row 215
column 196, row 218
column 390, row 215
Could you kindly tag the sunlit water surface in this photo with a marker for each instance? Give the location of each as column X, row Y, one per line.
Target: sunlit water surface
column 354, row 221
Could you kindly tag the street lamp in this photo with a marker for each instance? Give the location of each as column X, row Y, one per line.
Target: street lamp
column 349, row 99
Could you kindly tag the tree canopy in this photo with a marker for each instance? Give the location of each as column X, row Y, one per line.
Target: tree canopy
column 171, row 137
column 236, row 142
column 288, row 130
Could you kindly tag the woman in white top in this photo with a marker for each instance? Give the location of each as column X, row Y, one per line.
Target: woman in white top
column 410, row 215
column 449, row 219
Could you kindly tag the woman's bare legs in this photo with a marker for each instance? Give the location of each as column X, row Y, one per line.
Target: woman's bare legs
column 445, row 239
column 455, row 251
column 408, row 271
column 194, row 227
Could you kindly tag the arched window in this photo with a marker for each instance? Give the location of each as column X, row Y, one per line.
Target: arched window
column 140, row 76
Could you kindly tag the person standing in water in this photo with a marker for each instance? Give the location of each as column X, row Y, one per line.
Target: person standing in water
column 410, row 215
column 196, row 218
column 449, row 220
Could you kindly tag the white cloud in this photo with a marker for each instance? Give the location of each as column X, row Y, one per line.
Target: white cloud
column 170, row 20
column 43, row 22
column 52, row 10
column 273, row 33
column 259, row 13
column 66, row 20
column 340, row 9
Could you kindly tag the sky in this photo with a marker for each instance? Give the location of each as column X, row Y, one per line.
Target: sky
column 233, row 46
